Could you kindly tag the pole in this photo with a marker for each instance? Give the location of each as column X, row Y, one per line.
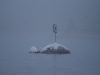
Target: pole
column 55, row 37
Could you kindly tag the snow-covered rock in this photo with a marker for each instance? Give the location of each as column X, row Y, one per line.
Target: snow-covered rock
column 34, row 50
column 55, row 48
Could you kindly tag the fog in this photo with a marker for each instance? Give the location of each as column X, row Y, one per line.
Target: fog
column 28, row 23
column 74, row 18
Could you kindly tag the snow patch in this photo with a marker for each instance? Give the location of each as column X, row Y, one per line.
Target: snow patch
column 34, row 50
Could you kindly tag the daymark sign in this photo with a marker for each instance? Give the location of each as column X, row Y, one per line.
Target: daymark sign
column 55, row 28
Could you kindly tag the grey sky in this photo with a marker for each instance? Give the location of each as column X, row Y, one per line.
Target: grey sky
column 73, row 17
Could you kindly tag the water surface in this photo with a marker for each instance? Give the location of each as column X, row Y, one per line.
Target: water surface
column 16, row 60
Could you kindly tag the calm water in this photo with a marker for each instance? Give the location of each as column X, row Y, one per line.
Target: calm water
column 16, row 60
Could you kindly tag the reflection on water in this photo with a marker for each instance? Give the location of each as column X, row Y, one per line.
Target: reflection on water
column 15, row 58
column 54, row 66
